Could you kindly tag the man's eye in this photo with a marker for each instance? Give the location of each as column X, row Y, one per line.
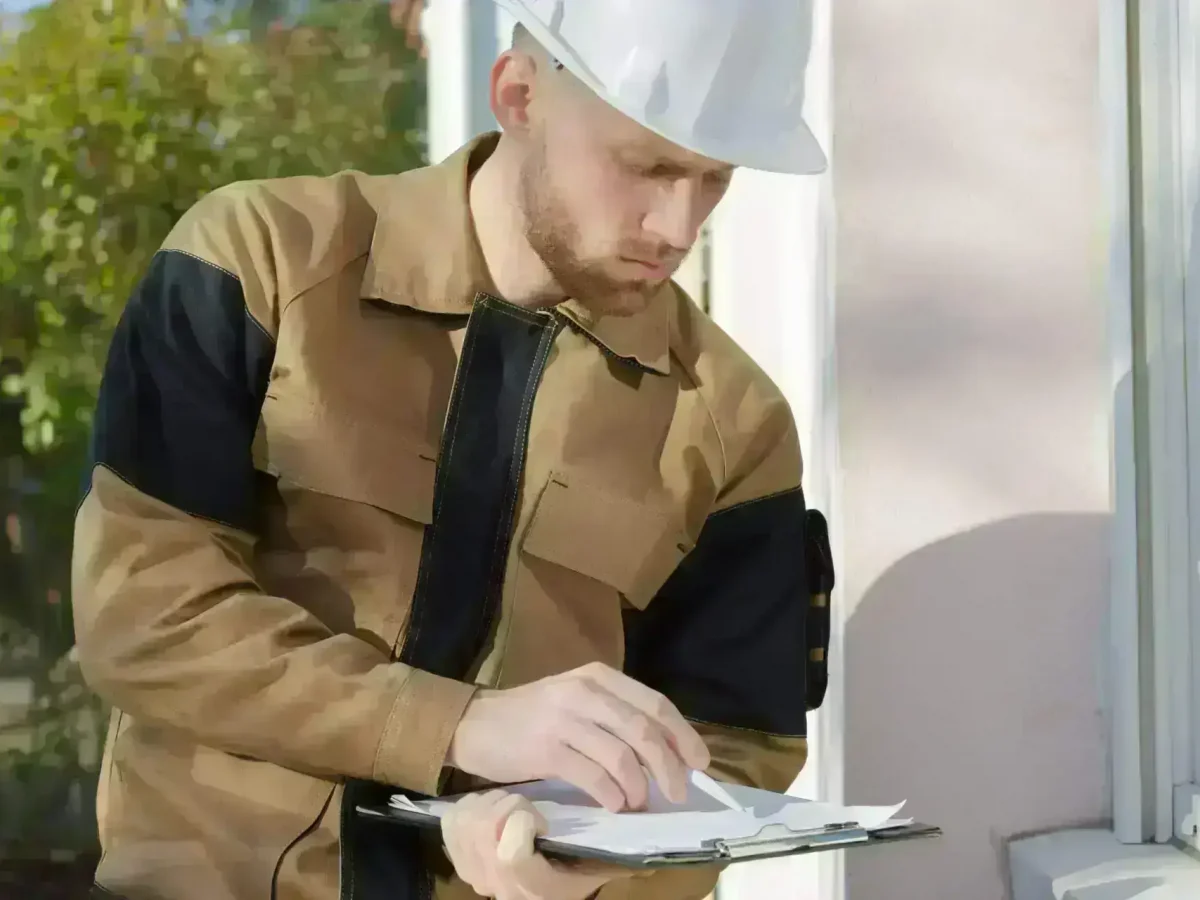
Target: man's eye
column 656, row 171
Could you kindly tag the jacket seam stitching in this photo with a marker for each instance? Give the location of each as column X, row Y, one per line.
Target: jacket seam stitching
column 436, row 527
column 744, row 503
column 207, row 262
column 197, row 516
column 520, row 442
column 498, row 304
column 257, row 324
column 776, row 734
column 403, row 696
column 245, row 306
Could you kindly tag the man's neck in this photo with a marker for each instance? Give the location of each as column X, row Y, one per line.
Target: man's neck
column 517, row 272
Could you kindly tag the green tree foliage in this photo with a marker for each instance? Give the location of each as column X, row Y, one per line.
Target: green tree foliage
column 115, row 117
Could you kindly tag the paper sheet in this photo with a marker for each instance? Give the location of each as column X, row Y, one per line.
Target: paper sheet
column 574, row 818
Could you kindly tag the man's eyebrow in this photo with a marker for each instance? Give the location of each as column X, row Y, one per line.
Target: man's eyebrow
column 677, row 165
column 651, row 160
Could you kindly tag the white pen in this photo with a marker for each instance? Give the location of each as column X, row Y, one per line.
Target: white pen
column 713, row 788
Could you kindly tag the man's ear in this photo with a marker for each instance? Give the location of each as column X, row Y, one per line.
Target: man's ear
column 513, row 89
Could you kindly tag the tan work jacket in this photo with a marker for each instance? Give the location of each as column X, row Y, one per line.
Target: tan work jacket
column 337, row 484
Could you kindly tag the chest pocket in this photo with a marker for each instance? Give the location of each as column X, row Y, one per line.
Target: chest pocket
column 350, row 501
column 630, row 545
column 358, row 461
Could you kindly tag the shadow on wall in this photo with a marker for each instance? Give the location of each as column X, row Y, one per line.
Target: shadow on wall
column 973, row 689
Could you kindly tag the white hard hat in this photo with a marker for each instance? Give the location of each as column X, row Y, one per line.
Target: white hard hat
column 722, row 78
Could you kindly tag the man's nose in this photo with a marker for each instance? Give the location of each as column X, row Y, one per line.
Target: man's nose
column 676, row 217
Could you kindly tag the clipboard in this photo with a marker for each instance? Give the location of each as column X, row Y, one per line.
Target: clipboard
column 771, row 841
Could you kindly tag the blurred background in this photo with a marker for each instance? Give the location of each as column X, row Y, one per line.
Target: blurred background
column 115, row 117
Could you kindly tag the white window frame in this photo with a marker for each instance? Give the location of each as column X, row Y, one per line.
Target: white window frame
column 1149, row 78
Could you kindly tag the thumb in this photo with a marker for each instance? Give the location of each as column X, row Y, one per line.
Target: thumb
column 516, row 841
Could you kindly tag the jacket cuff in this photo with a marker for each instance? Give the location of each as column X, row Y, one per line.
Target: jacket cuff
column 419, row 729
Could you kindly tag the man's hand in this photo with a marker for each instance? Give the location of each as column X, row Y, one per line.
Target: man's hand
column 593, row 727
column 489, row 839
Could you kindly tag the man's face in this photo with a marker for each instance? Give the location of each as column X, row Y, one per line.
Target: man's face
column 611, row 207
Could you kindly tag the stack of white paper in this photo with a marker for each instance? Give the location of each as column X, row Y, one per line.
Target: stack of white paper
column 665, row 827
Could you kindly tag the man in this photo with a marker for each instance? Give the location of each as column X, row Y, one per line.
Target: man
column 436, row 480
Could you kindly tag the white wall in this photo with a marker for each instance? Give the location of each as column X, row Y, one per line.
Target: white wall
column 973, row 400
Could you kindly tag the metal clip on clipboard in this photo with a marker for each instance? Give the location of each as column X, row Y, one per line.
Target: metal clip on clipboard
column 777, row 839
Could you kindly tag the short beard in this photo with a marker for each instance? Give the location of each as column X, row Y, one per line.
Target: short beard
column 554, row 237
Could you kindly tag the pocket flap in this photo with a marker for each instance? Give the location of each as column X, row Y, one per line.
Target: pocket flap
column 632, row 545
column 357, row 461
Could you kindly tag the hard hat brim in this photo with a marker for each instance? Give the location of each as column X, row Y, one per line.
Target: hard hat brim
column 793, row 150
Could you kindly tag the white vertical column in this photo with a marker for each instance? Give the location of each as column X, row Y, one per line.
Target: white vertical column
column 504, row 27
column 1189, row 31
column 771, row 287
column 463, row 40
column 1162, row 337
column 1124, row 682
column 692, row 274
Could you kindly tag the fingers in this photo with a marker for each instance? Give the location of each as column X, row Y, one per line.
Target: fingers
column 471, row 829
column 590, row 777
column 686, row 740
column 532, row 876
column 617, row 756
column 516, row 838
column 490, row 839
column 457, row 826
column 645, row 742
column 523, row 874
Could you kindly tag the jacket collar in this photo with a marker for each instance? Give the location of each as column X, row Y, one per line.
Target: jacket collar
column 424, row 255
